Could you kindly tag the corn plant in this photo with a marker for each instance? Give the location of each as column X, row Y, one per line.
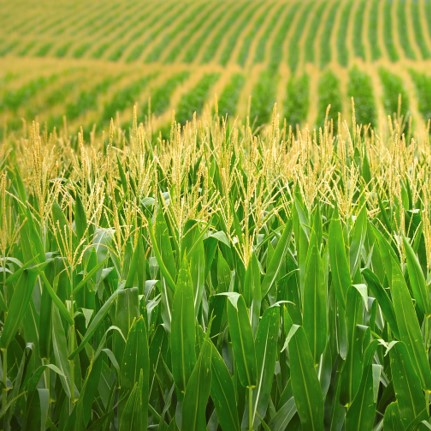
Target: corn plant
column 219, row 281
column 360, row 89
column 297, row 100
column 329, row 95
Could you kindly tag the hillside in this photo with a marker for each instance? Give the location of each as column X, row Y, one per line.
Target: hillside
column 89, row 61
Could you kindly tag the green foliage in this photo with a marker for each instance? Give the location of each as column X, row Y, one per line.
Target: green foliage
column 358, row 27
column 14, row 99
column 403, row 29
column 194, row 100
column 162, row 20
column 247, row 40
column 161, row 96
column 293, row 52
column 180, row 24
column 263, row 98
column 325, row 45
column 276, row 53
column 261, row 48
column 329, row 94
column 228, row 101
column 388, row 31
column 342, row 50
column 189, row 31
column 236, row 34
column 373, row 28
column 423, row 89
column 136, row 306
column 125, row 98
column 393, row 90
column 361, row 89
column 419, row 31
column 310, row 55
column 229, row 19
column 87, row 100
column 297, row 100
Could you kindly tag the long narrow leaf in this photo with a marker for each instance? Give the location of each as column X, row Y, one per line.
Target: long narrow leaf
column 305, row 384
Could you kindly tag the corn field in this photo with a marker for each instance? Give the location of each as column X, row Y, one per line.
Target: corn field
column 93, row 62
column 215, row 215
column 221, row 280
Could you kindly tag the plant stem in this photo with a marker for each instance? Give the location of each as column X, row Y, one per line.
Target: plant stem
column 5, row 387
column 250, row 408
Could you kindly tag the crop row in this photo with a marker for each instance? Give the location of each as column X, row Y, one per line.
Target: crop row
column 142, row 33
column 30, row 98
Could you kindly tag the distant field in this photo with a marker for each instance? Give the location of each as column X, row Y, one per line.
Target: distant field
column 89, row 61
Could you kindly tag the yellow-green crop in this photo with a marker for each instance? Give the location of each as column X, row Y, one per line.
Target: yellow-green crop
column 221, row 280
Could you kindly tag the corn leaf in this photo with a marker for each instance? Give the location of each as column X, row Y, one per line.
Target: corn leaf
column 97, row 321
column 18, row 306
column 362, row 412
column 339, row 263
column 243, row 345
column 305, row 384
column 274, row 265
column 133, row 416
column 315, row 301
column 266, row 355
column 417, row 279
column 223, row 393
column 407, row 385
column 183, row 330
column 408, row 326
column 198, row 391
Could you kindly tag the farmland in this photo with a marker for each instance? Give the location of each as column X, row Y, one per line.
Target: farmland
column 242, row 42
column 215, row 215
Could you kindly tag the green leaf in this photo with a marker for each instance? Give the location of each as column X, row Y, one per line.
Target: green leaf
column 252, row 289
column 161, row 232
column 358, row 238
column 383, row 299
column 126, row 309
column 133, row 416
column 156, row 236
column 283, row 416
column 89, row 392
column 417, row 279
column 55, row 298
column 407, row 385
column 193, row 246
column 44, row 407
column 97, row 321
column 18, row 306
column 138, row 258
column 408, row 325
column 315, row 301
column 392, row 419
column 305, row 384
column 81, row 224
column 60, row 349
column 339, row 264
column 266, row 355
column 274, row 265
column 183, row 330
column 136, row 364
column 362, row 412
column 223, row 393
column 242, row 340
column 135, row 356
column 197, row 391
